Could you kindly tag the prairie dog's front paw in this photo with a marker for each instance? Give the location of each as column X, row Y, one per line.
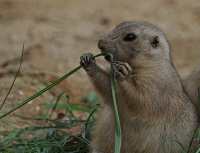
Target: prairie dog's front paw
column 87, row 60
column 122, row 70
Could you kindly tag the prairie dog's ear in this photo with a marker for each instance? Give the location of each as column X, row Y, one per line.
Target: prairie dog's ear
column 155, row 41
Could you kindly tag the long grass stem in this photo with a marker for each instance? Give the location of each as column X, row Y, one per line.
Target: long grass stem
column 118, row 133
column 39, row 93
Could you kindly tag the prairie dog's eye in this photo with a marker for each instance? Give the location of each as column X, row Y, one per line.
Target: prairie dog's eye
column 130, row 37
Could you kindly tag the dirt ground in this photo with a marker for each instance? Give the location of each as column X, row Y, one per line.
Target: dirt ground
column 56, row 33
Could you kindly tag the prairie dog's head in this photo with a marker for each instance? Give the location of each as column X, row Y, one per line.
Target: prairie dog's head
column 131, row 39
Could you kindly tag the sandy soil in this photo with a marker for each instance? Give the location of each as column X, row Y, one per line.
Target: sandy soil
column 56, row 33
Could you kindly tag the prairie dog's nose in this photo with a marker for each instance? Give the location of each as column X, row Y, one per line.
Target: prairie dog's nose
column 101, row 44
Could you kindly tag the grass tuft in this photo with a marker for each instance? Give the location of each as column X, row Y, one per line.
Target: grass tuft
column 54, row 136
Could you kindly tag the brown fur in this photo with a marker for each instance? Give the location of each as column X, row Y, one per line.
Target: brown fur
column 192, row 85
column 156, row 114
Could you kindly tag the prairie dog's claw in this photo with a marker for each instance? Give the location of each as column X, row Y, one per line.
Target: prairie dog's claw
column 86, row 60
column 122, row 70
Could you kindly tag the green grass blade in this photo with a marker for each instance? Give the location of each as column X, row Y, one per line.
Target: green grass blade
column 39, row 93
column 15, row 77
column 117, row 120
column 118, row 133
column 199, row 96
column 198, row 151
column 55, row 105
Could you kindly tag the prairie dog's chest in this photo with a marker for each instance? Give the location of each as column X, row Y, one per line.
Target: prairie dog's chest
column 139, row 140
column 144, row 137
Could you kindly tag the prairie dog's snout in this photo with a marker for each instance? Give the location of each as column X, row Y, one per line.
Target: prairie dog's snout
column 103, row 45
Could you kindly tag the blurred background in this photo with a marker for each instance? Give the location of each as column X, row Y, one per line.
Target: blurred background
column 57, row 32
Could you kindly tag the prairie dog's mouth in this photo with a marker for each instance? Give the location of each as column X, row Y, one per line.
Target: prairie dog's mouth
column 108, row 54
column 107, row 58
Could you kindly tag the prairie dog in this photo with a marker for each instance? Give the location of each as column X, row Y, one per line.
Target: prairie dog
column 156, row 114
